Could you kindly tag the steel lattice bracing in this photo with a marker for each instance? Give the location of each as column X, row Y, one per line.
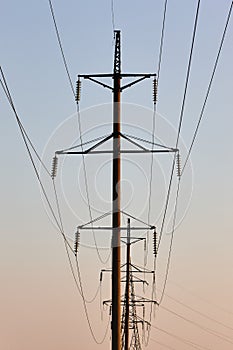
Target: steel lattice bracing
column 135, row 343
column 130, row 320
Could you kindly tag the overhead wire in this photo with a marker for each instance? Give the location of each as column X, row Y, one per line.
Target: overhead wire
column 61, row 47
column 113, row 16
column 217, row 334
column 181, row 116
column 62, row 227
column 174, row 159
column 153, row 292
column 208, row 89
column 87, row 190
column 227, row 311
column 162, row 344
column 79, row 126
column 162, row 39
column 86, row 310
column 78, row 283
column 25, row 140
column 89, row 301
column 154, row 112
column 59, row 225
column 181, row 339
column 195, row 134
column 85, row 180
column 199, row 312
column 171, row 244
column 155, row 105
column 8, row 96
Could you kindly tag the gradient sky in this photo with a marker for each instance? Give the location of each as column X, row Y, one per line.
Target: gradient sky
column 40, row 306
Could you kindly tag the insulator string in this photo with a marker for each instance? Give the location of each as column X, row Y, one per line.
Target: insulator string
column 54, row 167
column 155, row 90
column 78, row 90
column 76, row 242
column 178, row 165
column 155, row 244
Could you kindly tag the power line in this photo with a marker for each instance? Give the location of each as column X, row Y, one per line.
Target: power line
column 87, row 188
column 153, row 143
column 164, row 345
column 205, row 329
column 155, row 107
column 66, row 248
column 79, row 283
column 162, row 40
column 195, row 134
column 59, row 225
column 208, row 89
column 200, row 297
column 86, row 310
column 171, row 244
column 198, row 312
column 184, row 341
column 188, row 73
column 61, row 47
column 9, row 98
column 181, row 116
column 68, row 255
column 174, row 158
column 20, row 125
column 113, row 16
column 79, row 124
column 154, row 123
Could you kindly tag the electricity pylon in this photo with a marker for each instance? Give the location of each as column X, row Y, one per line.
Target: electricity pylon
column 117, row 88
column 130, row 302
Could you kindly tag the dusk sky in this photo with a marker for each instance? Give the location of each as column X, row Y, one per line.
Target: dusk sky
column 40, row 306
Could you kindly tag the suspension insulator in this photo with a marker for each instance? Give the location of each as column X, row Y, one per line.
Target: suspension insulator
column 54, row 167
column 178, row 165
column 155, row 244
column 78, row 90
column 155, row 90
column 101, row 276
column 145, row 244
column 76, row 242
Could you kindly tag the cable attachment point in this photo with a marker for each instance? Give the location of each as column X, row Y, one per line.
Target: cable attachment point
column 155, row 244
column 76, row 242
column 54, row 167
column 155, row 90
column 78, row 90
column 178, row 165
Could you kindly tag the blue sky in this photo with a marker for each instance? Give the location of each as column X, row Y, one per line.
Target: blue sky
column 40, row 303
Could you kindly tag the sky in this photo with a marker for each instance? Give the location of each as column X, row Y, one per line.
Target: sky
column 40, row 304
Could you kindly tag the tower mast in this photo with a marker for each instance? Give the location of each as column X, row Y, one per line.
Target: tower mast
column 116, row 200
